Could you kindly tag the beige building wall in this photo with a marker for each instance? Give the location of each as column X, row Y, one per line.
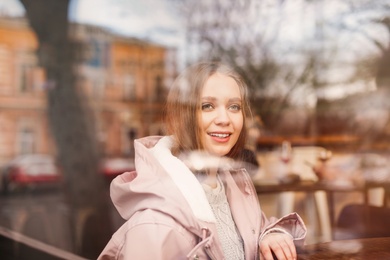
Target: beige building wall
column 123, row 80
column 23, row 126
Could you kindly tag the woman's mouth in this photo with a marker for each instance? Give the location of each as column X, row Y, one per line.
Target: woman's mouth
column 220, row 137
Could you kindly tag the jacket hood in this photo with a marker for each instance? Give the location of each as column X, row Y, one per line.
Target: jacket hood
column 161, row 182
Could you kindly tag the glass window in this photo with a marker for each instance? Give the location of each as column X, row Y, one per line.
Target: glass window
column 26, row 144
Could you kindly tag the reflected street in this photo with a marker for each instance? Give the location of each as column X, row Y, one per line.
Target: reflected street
column 39, row 214
column 43, row 214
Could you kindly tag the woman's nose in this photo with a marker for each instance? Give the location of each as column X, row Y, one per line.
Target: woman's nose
column 222, row 117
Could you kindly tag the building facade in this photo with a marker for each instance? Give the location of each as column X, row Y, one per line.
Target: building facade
column 123, row 81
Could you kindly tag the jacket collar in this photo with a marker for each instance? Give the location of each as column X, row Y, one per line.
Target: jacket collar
column 184, row 179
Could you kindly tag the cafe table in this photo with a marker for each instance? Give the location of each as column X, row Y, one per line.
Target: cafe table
column 356, row 249
column 309, row 186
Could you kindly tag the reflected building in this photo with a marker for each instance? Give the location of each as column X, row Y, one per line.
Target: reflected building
column 123, row 80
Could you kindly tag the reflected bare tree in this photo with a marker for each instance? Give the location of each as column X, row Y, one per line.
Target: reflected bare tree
column 334, row 48
column 246, row 34
column 240, row 33
column 361, row 36
column 71, row 125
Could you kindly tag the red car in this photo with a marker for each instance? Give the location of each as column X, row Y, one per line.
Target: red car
column 111, row 167
column 29, row 171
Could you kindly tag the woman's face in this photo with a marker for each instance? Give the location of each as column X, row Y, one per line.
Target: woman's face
column 221, row 118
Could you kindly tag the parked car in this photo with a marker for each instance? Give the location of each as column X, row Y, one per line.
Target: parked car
column 111, row 167
column 29, row 171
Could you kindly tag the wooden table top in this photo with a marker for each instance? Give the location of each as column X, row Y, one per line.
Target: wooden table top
column 356, row 249
column 312, row 186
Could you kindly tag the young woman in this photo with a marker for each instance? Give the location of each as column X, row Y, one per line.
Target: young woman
column 189, row 198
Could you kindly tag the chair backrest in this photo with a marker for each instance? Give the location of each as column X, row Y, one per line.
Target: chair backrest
column 363, row 221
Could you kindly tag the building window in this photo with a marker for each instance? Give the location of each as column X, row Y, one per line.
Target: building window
column 129, row 134
column 26, row 141
column 5, row 71
column 96, row 53
column 26, row 79
column 160, row 93
column 128, row 88
column 31, row 76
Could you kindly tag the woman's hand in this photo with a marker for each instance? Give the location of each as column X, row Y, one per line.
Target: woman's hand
column 280, row 244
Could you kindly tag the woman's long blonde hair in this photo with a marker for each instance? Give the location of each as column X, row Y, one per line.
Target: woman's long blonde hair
column 183, row 106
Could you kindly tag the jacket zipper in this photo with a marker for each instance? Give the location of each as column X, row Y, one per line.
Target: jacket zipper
column 207, row 246
column 208, row 252
column 249, row 184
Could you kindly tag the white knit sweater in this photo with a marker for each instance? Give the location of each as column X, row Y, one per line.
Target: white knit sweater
column 232, row 244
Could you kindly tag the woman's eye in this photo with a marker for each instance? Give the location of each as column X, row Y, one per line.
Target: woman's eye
column 235, row 107
column 207, row 106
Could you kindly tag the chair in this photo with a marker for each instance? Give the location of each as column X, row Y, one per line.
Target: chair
column 362, row 221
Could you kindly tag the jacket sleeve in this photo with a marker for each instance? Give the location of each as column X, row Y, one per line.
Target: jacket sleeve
column 150, row 241
column 291, row 224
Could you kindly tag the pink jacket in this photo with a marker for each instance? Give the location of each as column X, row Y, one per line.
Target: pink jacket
column 168, row 215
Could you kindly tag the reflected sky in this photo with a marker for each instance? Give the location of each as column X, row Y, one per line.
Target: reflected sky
column 339, row 32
